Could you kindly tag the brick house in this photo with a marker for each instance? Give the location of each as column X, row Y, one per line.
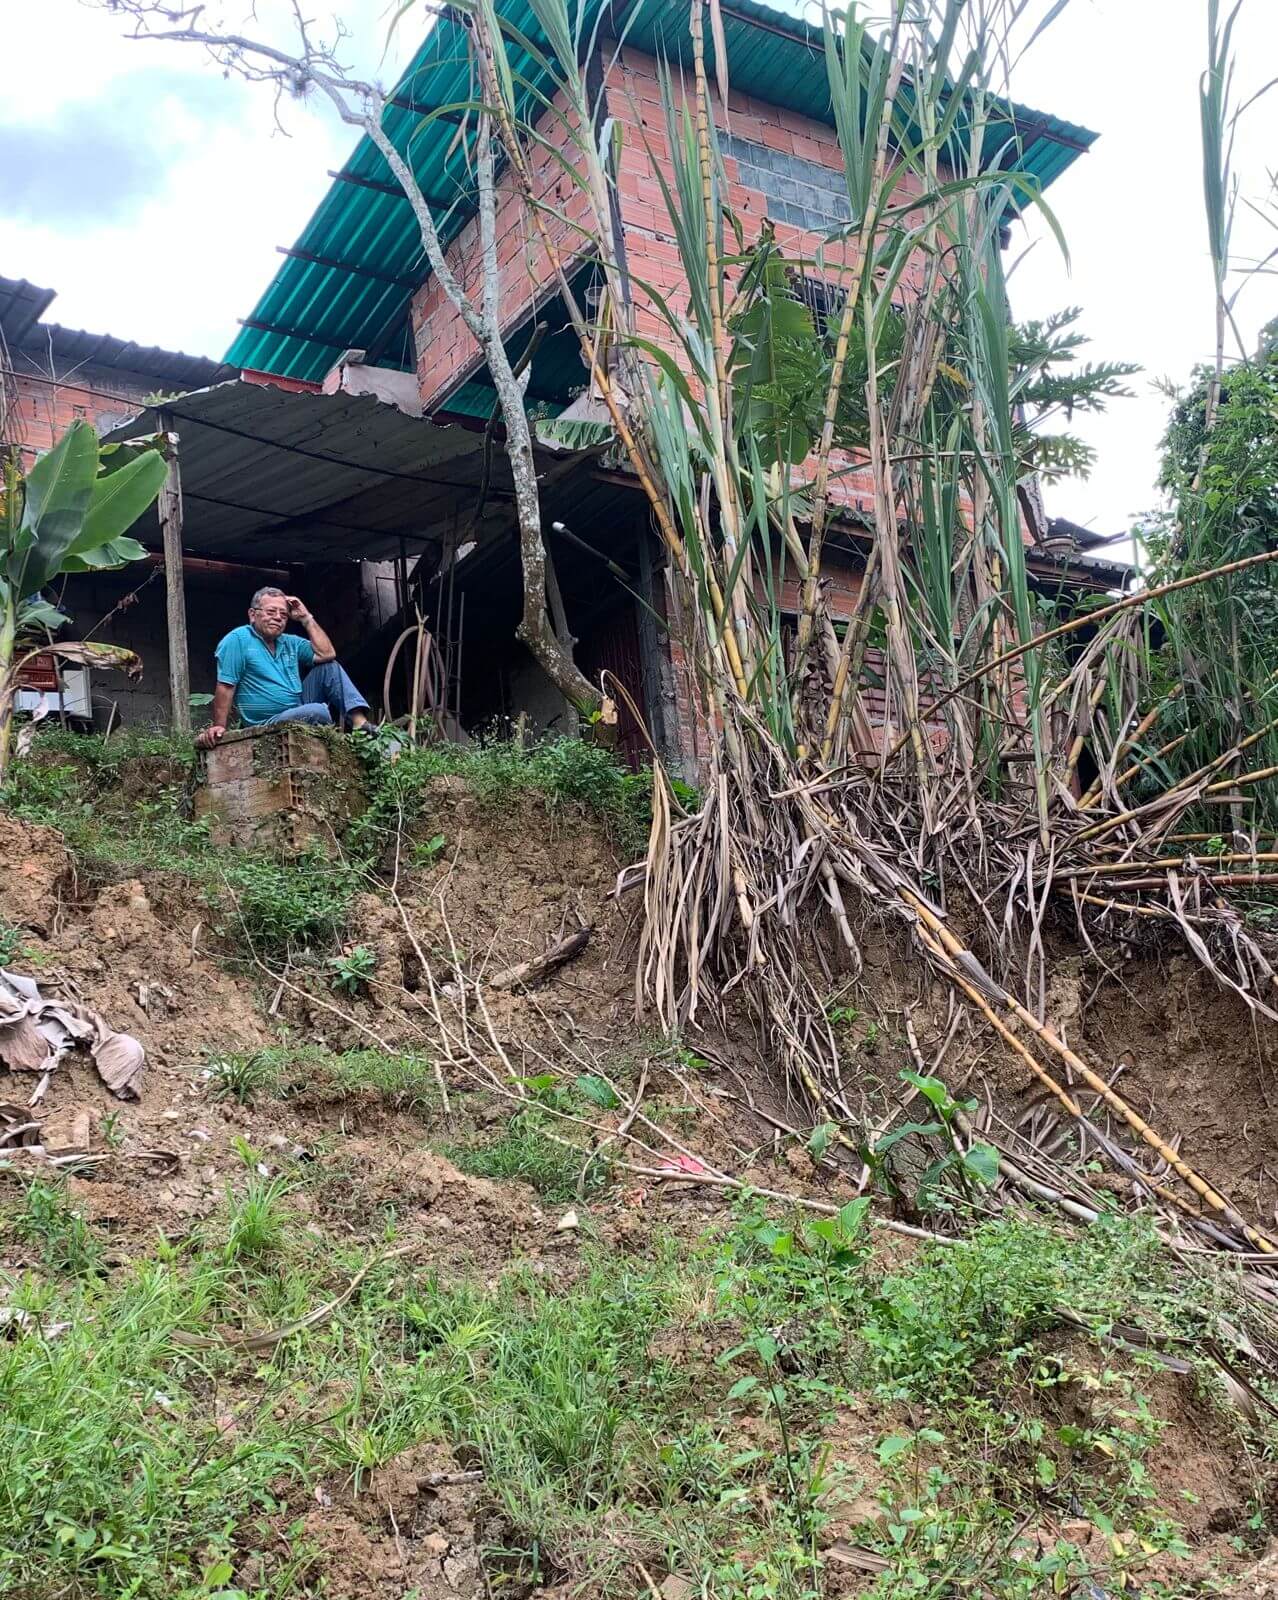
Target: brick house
column 386, row 479
column 356, row 279
column 52, row 376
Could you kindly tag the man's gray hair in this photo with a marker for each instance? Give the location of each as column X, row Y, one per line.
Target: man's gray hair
column 255, row 604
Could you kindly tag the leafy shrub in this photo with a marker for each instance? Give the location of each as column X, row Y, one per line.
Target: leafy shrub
column 284, row 905
column 987, row 1298
column 353, row 969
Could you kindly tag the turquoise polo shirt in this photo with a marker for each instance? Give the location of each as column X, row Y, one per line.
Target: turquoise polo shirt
column 266, row 682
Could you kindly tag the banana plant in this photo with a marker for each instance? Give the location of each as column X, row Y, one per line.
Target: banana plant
column 70, row 513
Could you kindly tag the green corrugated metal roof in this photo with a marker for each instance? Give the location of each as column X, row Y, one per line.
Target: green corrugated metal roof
column 311, row 311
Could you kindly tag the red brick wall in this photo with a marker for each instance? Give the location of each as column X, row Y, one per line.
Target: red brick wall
column 44, row 409
column 447, row 351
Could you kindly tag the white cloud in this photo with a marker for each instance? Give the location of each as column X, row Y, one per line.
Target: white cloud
column 197, row 246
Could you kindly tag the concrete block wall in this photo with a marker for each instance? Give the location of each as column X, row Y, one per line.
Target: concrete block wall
column 213, row 609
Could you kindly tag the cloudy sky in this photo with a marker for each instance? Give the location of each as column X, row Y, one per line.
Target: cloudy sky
column 150, row 192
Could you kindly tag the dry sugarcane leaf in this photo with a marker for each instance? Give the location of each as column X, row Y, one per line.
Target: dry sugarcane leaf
column 36, row 1032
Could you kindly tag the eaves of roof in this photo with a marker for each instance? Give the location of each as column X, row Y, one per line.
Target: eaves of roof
column 37, row 345
column 280, row 475
column 22, row 304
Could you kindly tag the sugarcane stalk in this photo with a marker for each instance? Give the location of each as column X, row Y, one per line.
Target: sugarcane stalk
column 959, row 959
column 1090, row 619
column 864, row 252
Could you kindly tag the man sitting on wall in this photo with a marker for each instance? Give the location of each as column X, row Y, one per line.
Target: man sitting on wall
column 271, row 676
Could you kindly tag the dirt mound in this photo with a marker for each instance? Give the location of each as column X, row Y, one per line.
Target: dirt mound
column 37, row 876
column 407, row 1528
column 1195, row 1061
column 144, row 964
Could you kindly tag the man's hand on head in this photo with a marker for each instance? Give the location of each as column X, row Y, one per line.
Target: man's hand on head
column 297, row 612
column 210, row 736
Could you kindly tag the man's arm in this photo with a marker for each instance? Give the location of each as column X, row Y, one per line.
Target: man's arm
column 320, row 641
column 223, row 699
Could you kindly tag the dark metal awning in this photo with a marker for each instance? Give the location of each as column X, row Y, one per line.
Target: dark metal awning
column 270, row 474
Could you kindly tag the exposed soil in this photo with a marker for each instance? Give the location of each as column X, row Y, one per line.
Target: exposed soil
column 507, row 884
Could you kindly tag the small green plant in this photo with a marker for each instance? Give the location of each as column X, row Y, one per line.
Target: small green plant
column 427, row 852
column 526, row 1153
column 258, row 1219
column 113, row 1133
column 283, row 906
column 353, row 970
column 65, row 1241
column 976, row 1165
column 11, row 942
column 241, row 1077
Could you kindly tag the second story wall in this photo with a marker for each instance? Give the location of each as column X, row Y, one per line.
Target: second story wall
column 784, row 171
column 45, row 399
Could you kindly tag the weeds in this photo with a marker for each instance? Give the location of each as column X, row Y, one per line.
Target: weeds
column 525, row 1153
column 12, row 941
column 606, row 1408
column 568, row 774
column 242, row 1078
column 65, row 1242
column 301, row 1072
column 353, row 970
column 258, row 1219
column 124, row 805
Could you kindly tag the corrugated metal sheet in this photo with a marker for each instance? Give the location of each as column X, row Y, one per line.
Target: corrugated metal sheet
column 310, row 313
column 73, row 347
column 22, row 304
column 269, row 474
column 37, row 343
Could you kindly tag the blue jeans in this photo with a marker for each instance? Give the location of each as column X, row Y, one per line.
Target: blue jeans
column 328, row 696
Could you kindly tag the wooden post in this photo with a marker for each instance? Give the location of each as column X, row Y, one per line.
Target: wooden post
column 170, row 509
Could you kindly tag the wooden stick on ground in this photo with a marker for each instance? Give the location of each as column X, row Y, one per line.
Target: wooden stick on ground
column 525, row 973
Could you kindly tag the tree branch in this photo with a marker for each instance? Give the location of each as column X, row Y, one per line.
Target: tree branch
column 363, row 105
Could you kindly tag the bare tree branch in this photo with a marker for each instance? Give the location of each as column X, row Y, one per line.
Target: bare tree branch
column 363, row 105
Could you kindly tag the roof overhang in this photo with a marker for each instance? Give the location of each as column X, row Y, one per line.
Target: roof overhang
column 38, row 348
column 269, row 474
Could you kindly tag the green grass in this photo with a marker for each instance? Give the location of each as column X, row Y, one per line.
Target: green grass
column 572, row 776
column 258, row 1219
column 523, row 1153
column 123, row 805
column 288, row 1072
column 669, row 1407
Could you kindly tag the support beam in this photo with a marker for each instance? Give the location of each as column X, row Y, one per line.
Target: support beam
column 422, row 109
column 392, row 189
column 292, row 333
column 345, row 266
column 170, row 510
